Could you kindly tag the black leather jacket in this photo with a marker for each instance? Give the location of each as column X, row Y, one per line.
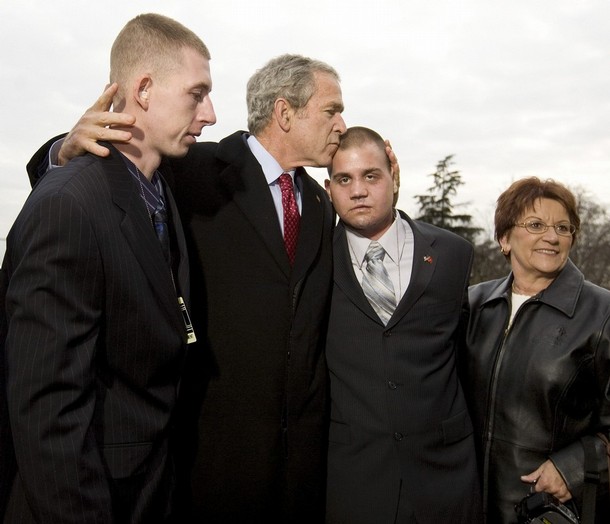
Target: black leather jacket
column 538, row 387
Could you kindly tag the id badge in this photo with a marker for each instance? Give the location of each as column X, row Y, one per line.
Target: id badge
column 190, row 332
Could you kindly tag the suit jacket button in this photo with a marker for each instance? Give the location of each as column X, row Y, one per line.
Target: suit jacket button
column 398, row 436
column 387, row 333
column 392, row 385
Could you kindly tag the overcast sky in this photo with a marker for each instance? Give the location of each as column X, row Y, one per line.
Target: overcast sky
column 511, row 88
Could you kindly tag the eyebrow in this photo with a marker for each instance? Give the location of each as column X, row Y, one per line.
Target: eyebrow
column 202, row 85
column 364, row 172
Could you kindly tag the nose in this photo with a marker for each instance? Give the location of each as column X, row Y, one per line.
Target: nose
column 340, row 125
column 207, row 115
column 550, row 235
column 358, row 190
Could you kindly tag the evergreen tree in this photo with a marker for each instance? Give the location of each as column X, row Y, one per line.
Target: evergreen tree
column 437, row 208
column 489, row 263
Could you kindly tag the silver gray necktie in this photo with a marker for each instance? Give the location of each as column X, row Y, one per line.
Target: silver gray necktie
column 376, row 283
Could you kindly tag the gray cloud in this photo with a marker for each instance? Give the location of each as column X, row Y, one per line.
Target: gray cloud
column 511, row 88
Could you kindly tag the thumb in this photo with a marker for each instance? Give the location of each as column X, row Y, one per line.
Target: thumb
column 532, row 477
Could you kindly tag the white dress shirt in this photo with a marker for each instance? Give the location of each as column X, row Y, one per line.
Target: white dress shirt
column 398, row 261
column 272, row 171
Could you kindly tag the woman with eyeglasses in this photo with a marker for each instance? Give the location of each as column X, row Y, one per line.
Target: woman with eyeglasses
column 536, row 367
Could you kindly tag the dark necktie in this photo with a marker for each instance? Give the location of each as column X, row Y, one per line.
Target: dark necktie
column 159, row 218
column 376, row 283
column 291, row 216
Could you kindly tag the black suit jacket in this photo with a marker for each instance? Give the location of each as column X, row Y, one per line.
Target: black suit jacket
column 398, row 415
column 259, row 383
column 94, row 349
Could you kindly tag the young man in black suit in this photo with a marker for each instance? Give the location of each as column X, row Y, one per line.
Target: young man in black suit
column 95, row 303
column 401, row 445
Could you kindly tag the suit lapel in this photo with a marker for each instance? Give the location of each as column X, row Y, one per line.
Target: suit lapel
column 311, row 228
column 183, row 270
column 424, row 263
column 344, row 276
column 250, row 192
column 425, row 259
column 183, row 275
column 140, row 235
column 257, row 205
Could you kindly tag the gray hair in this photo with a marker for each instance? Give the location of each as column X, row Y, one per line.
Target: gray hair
column 286, row 76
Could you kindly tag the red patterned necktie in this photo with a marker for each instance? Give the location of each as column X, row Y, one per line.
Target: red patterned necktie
column 291, row 216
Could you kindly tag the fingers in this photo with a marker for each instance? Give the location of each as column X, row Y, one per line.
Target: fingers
column 104, row 102
column 532, row 477
column 84, row 139
column 97, row 124
column 67, row 152
column 93, row 117
column 99, row 113
column 547, row 478
column 394, row 167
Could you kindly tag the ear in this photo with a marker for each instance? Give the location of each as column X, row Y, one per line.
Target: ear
column 327, row 187
column 395, row 179
column 141, row 92
column 283, row 113
column 504, row 245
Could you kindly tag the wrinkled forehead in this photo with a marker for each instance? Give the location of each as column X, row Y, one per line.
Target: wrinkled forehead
column 327, row 91
column 543, row 206
column 364, row 157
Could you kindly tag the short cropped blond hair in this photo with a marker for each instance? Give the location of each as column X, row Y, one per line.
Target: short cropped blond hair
column 151, row 43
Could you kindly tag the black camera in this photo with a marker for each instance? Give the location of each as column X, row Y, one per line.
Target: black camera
column 544, row 508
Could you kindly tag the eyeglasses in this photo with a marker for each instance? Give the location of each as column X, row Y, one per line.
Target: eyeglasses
column 563, row 229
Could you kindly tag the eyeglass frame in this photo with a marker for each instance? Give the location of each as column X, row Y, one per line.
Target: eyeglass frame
column 571, row 227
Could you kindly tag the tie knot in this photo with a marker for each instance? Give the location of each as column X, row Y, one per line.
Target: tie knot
column 160, row 213
column 374, row 252
column 286, row 182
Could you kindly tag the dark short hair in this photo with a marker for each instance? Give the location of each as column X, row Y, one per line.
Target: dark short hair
column 523, row 194
column 357, row 136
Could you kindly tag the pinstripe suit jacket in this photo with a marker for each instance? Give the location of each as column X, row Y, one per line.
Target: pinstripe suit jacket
column 94, row 349
column 398, row 414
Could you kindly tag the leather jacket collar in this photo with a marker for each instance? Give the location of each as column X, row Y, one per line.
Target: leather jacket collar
column 562, row 294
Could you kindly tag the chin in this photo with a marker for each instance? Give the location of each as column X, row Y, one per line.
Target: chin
column 182, row 150
column 325, row 161
column 177, row 152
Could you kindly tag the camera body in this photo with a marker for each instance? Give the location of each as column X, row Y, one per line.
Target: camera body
column 544, row 508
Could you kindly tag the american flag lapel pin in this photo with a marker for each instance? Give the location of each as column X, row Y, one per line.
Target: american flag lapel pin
column 428, row 259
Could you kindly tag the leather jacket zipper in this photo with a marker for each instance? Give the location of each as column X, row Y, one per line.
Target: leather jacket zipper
column 489, row 425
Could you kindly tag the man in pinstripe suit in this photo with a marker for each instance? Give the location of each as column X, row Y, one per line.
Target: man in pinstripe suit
column 96, row 326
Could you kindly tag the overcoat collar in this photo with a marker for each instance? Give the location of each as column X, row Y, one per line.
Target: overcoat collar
column 251, row 195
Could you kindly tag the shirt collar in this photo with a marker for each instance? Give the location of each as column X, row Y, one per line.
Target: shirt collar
column 270, row 166
column 151, row 190
column 391, row 241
